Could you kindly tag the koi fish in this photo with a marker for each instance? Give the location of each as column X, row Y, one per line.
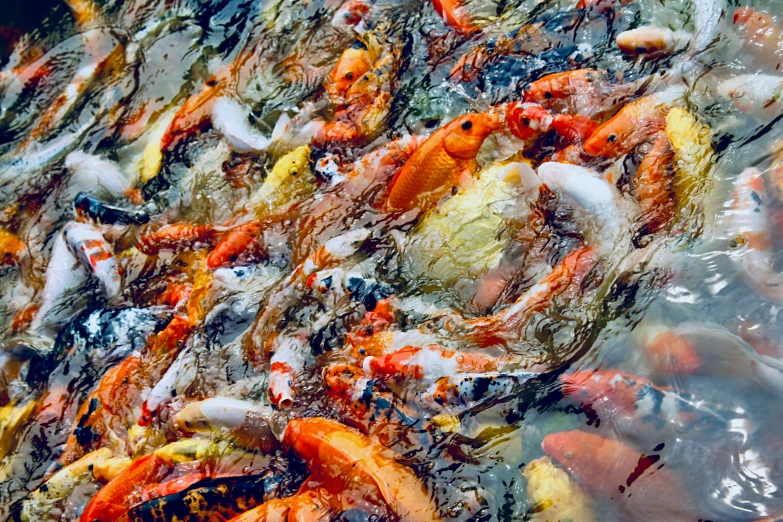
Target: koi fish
column 563, row 280
column 596, row 197
column 466, row 389
column 88, row 246
column 250, row 426
column 63, row 275
column 652, row 182
column 351, row 16
column 444, row 160
column 290, row 355
column 337, row 452
column 621, row 399
column 666, row 351
column 210, row 499
column 368, row 407
column 241, row 243
column 430, row 363
column 762, row 33
column 230, row 118
column 43, row 502
column 353, row 63
column 530, row 120
column 650, row 40
column 554, row 495
column 88, row 206
column 291, row 175
column 456, row 15
column 612, row 471
column 11, row 247
column 750, row 234
column 634, row 124
column 760, row 95
column 175, row 237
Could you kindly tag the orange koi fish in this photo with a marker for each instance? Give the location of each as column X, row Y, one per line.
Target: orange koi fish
column 634, row 124
column 124, row 491
column 239, row 244
column 175, row 237
column 430, row 363
column 530, row 120
column 339, row 453
column 763, row 34
column 653, row 179
column 455, row 15
column 444, row 160
column 612, row 471
column 667, row 352
column 10, row 247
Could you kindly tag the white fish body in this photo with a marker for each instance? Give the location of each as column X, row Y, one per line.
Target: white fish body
column 230, row 118
column 93, row 251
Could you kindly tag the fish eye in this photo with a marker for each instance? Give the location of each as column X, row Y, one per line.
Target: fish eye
column 611, row 138
column 548, row 95
column 188, row 424
column 431, row 123
column 736, row 242
column 349, row 75
column 568, row 454
column 526, row 121
column 294, row 173
column 467, row 125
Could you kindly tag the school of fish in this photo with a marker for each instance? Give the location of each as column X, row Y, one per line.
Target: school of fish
column 405, row 260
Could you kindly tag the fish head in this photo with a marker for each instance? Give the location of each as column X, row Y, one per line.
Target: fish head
column 353, row 63
column 192, row 419
column 527, row 120
column 340, row 380
column 574, row 450
column 752, row 21
column 463, row 137
column 294, row 164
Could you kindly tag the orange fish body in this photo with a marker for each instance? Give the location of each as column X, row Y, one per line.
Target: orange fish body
column 119, row 495
column 611, row 470
column 562, row 85
column 669, row 353
column 242, row 241
column 436, row 166
column 652, row 185
column 764, row 35
column 338, row 452
column 634, row 124
column 353, row 63
column 455, row 15
column 10, row 247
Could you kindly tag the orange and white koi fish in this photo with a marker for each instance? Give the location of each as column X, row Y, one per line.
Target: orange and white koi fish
column 530, row 120
column 760, row 95
column 351, row 16
column 430, row 363
column 667, row 352
column 615, row 472
column 339, row 453
column 634, row 124
column 640, row 407
column 87, row 244
column 750, row 234
column 446, row 159
column 564, row 280
column 586, row 92
column 762, row 34
column 290, row 355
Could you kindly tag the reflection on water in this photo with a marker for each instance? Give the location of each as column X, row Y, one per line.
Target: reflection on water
column 381, row 260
